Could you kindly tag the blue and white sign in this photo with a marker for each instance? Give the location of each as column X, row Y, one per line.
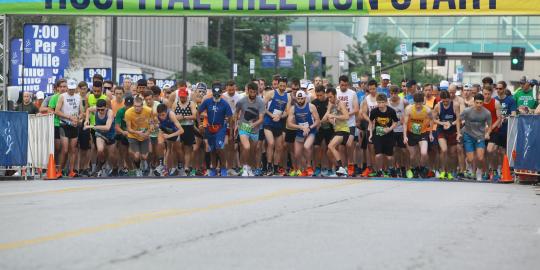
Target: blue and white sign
column 162, row 82
column 46, row 46
column 90, row 72
column 528, row 143
column 133, row 77
column 30, row 79
column 13, row 138
column 268, row 60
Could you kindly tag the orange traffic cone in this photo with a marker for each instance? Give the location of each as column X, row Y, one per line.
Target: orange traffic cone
column 506, row 175
column 51, row 169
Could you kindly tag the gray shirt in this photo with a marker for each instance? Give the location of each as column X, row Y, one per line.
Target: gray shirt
column 476, row 122
column 250, row 111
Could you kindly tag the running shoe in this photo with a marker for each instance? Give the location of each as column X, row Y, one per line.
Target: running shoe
column 449, row 176
column 193, row 172
column 373, row 173
column 158, row 171
column 331, row 173
column 245, row 171
column 72, row 174
column 173, row 171
column 409, row 174
column 270, row 172
column 281, row 172
column 430, row 174
column 350, row 170
column 437, row 174
column 139, row 173
column 317, row 172
column 232, row 172
column 59, row 174
column 257, row 172
column 309, row 171
column 293, row 173
column 442, row 175
column 478, row 175
column 366, row 172
column 341, row 172
column 224, row 172
column 212, row 172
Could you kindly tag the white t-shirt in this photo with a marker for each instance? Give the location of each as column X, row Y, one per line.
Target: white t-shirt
column 347, row 97
column 400, row 109
column 71, row 106
column 232, row 100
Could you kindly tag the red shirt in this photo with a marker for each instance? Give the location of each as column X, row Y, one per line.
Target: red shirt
column 491, row 108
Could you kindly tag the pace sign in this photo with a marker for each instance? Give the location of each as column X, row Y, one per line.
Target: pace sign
column 46, row 46
column 89, row 73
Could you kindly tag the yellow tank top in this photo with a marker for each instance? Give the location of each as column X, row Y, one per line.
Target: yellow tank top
column 418, row 121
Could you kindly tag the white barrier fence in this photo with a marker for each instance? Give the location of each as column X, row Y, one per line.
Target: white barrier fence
column 511, row 139
column 40, row 140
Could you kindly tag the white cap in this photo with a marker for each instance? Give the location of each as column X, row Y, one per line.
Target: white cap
column 444, row 85
column 301, row 94
column 310, row 86
column 304, row 85
column 385, row 76
column 40, row 95
column 72, row 84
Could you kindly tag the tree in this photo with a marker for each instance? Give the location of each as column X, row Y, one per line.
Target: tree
column 362, row 57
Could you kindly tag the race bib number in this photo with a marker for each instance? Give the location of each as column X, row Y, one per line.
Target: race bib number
column 277, row 112
column 246, row 127
column 304, row 124
column 379, row 131
column 416, row 128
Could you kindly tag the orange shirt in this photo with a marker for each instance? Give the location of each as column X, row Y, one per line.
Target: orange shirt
column 115, row 106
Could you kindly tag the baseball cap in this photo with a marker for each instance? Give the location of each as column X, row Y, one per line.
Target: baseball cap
column 300, row 94
column 533, row 82
column 182, row 92
column 216, row 88
column 40, row 95
column 201, row 86
column 310, row 86
column 128, row 101
column 72, row 84
column 444, row 85
column 523, row 79
column 467, row 86
column 385, row 76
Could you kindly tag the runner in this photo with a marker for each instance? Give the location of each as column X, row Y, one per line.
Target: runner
column 61, row 88
column 348, row 97
column 84, row 134
column 218, row 112
column 324, row 134
column 475, row 132
column 494, row 107
column 249, row 116
column 411, row 90
column 468, row 97
column 416, row 134
column 156, row 146
column 508, row 109
column 170, row 130
column 105, row 133
column 446, row 115
column 121, row 138
column 290, row 133
column 304, row 118
column 384, row 88
column 232, row 97
column 69, row 111
column 186, row 113
column 138, row 126
column 400, row 149
column 383, row 120
column 452, row 90
column 338, row 116
column 118, row 101
column 369, row 103
column 276, row 102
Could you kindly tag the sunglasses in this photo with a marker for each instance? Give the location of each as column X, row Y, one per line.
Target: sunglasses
column 107, row 88
column 101, row 110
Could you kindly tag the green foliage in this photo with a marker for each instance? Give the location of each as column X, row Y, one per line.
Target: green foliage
column 79, row 39
column 362, row 57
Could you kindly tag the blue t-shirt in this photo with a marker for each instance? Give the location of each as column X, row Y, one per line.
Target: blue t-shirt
column 216, row 111
column 360, row 95
column 409, row 98
column 384, row 90
column 508, row 105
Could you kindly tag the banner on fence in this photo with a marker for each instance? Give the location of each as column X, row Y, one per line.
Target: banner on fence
column 528, row 143
column 13, row 138
column 40, row 139
column 273, row 7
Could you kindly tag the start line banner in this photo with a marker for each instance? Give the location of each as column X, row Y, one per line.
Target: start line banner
column 272, row 7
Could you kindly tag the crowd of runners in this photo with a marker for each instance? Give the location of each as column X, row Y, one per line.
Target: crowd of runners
column 286, row 127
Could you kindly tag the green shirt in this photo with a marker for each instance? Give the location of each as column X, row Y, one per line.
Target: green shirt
column 120, row 118
column 52, row 105
column 525, row 99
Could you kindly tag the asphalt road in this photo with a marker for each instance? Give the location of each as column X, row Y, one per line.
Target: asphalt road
column 267, row 224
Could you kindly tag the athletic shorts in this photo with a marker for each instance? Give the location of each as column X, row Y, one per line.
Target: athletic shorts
column 300, row 134
column 173, row 139
column 364, row 142
column 252, row 136
column 471, row 144
column 343, row 134
column 137, row 146
column 261, row 135
column 153, row 140
column 276, row 131
column 69, row 132
column 57, row 133
column 188, row 137
column 501, row 139
column 352, row 131
column 493, row 138
column 93, row 135
column 398, row 138
column 290, row 135
column 414, row 139
column 450, row 137
column 84, row 139
column 122, row 139
column 384, row 144
column 325, row 134
column 435, row 143
column 216, row 141
column 108, row 141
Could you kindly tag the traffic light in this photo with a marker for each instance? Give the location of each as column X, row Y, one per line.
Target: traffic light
column 441, row 57
column 517, row 58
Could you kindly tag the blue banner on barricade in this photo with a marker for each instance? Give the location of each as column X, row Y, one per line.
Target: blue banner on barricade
column 528, row 143
column 13, row 138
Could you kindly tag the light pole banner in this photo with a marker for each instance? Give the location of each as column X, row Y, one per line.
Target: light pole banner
column 272, row 7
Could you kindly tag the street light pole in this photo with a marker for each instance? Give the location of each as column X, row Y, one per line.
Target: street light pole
column 417, row 45
column 233, row 41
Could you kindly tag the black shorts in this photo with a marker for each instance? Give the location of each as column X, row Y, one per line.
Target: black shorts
column 93, row 135
column 56, row 133
column 324, row 134
column 414, row 139
column 364, row 142
column 69, row 132
column 122, row 139
column 501, row 139
column 384, row 144
column 173, row 139
column 84, row 139
column 276, row 131
column 188, row 137
column 398, row 138
column 343, row 134
column 261, row 135
column 290, row 135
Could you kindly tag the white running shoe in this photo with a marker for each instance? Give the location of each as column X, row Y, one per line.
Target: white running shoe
column 478, row 175
column 245, row 171
column 341, row 171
